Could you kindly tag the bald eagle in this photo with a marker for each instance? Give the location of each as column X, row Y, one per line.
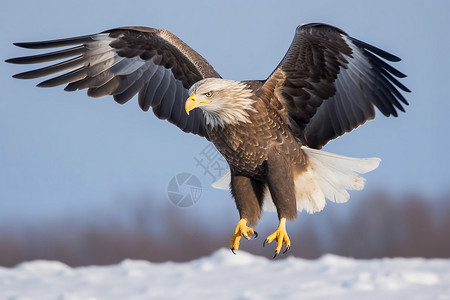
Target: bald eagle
column 270, row 131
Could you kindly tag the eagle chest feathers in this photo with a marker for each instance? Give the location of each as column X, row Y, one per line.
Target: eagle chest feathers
column 247, row 144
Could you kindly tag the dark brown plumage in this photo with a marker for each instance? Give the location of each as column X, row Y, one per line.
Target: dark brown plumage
column 328, row 83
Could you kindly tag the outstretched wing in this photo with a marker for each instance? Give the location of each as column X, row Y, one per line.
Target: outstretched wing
column 329, row 83
column 123, row 62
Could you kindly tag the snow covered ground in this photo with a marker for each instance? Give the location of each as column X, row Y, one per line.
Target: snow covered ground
column 223, row 275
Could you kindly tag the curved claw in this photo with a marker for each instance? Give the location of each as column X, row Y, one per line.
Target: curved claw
column 247, row 236
column 242, row 230
column 280, row 236
column 285, row 250
column 232, row 250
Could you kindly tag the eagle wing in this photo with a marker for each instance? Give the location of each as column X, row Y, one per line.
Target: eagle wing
column 123, row 62
column 329, row 83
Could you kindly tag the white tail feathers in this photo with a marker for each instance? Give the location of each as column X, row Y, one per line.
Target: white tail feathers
column 326, row 175
column 224, row 182
column 330, row 176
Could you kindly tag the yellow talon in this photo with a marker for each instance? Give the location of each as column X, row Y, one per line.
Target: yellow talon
column 281, row 236
column 241, row 230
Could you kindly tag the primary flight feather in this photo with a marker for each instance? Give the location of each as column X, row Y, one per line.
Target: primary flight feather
column 270, row 131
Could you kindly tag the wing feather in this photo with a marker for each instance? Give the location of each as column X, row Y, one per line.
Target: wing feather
column 46, row 57
column 73, row 76
column 169, row 95
column 152, row 87
column 124, row 62
column 331, row 82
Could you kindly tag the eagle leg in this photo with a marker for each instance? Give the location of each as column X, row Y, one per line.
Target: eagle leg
column 242, row 230
column 281, row 236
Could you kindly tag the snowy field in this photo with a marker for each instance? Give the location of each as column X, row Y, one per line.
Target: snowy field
column 223, row 275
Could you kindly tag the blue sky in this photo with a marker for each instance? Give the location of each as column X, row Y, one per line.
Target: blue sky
column 65, row 153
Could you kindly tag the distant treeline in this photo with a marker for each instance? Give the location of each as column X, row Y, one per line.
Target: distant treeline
column 375, row 226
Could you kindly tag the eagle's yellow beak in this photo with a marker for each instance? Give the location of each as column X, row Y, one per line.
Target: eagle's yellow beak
column 192, row 103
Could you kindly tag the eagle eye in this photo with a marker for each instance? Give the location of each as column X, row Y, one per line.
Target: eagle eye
column 209, row 94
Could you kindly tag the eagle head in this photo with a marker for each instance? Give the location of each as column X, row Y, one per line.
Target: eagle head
column 222, row 101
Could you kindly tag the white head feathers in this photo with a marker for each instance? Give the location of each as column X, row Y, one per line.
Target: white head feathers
column 230, row 100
